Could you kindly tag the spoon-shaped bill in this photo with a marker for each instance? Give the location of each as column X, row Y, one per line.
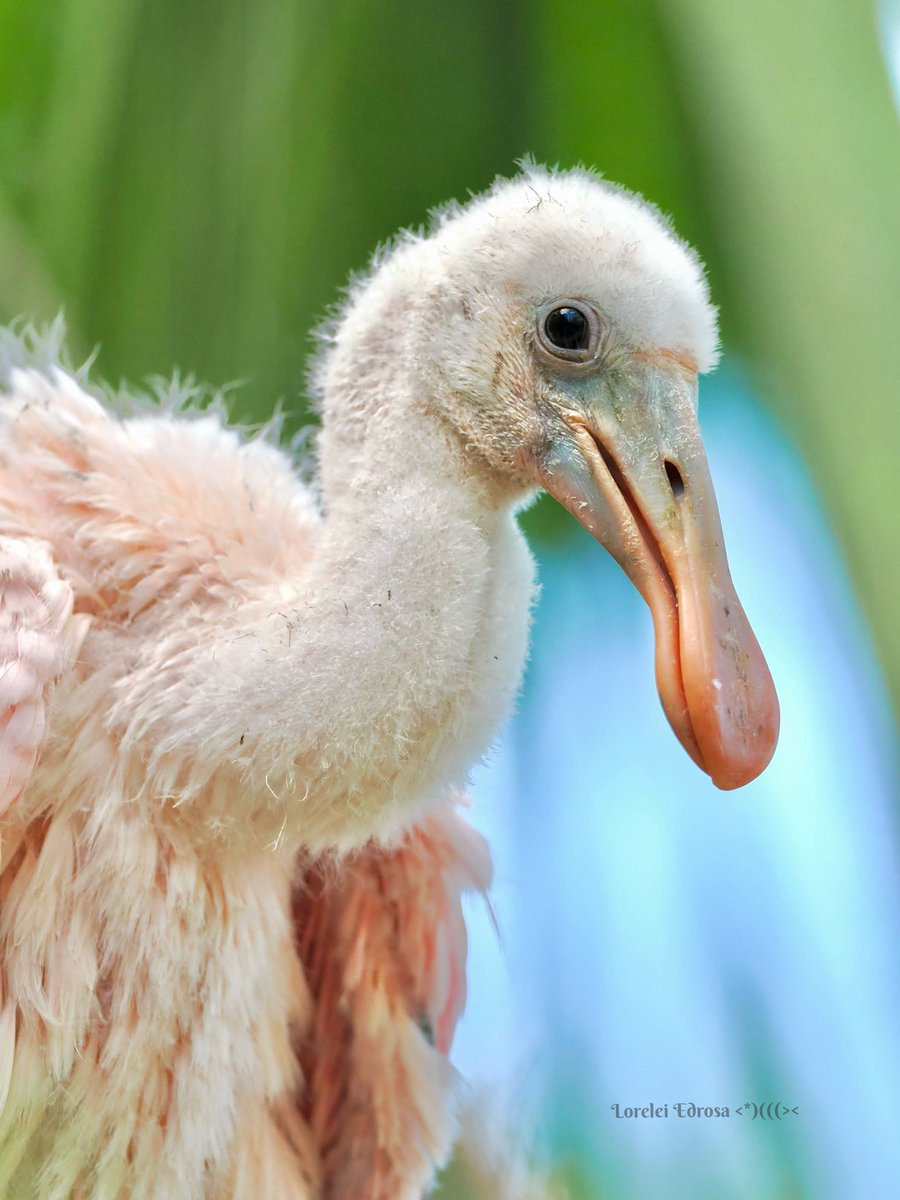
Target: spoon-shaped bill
column 641, row 486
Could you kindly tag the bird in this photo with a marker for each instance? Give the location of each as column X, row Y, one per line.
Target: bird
column 239, row 706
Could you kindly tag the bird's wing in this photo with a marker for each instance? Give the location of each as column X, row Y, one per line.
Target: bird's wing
column 155, row 507
column 38, row 641
column 382, row 940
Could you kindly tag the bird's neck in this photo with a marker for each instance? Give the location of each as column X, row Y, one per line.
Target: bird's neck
column 417, row 603
column 377, row 458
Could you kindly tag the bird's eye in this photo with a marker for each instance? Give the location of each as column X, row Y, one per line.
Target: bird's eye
column 568, row 329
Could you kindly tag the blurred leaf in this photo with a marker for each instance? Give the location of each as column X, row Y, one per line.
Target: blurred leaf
column 801, row 161
column 23, row 271
column 202, row 178
column 607, row 96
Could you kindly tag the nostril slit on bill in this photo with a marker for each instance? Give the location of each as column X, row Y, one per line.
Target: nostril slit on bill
column 676, row 483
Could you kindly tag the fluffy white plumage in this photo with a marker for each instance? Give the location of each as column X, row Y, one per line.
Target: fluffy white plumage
column 235, row 716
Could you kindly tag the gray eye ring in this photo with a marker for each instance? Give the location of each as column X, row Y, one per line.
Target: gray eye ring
column 583, row 339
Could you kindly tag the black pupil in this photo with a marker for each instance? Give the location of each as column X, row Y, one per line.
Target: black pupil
column 568, row 328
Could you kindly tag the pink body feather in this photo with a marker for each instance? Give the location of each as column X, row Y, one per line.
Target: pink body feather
column 183, row 1012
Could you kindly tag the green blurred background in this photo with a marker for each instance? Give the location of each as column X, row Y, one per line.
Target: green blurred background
column 192, row 183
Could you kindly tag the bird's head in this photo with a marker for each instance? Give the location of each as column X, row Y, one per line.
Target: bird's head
column 557, row 327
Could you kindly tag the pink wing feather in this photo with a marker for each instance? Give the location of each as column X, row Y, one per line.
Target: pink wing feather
column 35, row 648
column 382, row 940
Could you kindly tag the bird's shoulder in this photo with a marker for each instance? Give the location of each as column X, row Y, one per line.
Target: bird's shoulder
column 149, row 503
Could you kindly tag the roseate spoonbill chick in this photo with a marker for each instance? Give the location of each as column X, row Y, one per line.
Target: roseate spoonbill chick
column 236, row 713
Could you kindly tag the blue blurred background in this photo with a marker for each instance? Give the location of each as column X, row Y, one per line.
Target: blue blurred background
column 192, row 183
column 667, row 942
